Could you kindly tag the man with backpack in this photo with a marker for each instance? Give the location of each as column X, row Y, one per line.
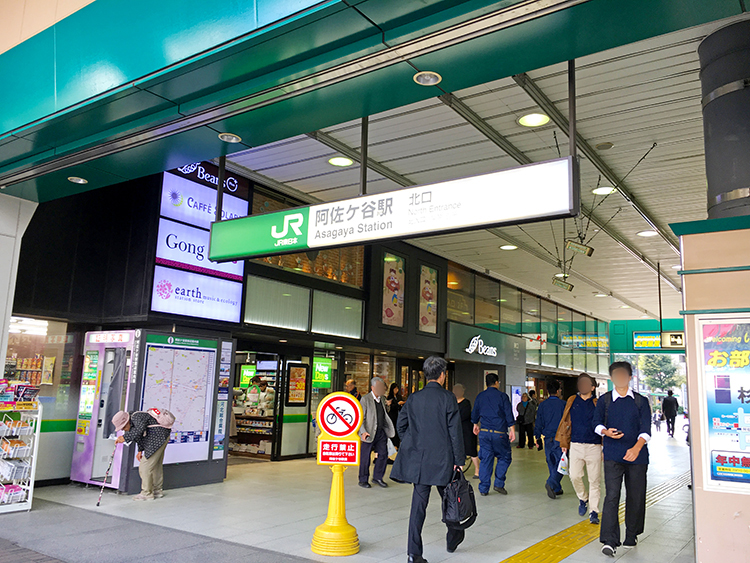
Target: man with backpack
column 150, row 431
column 623, row 418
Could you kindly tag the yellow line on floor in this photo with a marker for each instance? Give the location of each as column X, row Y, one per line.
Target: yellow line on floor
column 567, row 542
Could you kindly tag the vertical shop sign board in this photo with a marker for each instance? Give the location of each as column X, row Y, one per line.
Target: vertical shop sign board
column 725, row 362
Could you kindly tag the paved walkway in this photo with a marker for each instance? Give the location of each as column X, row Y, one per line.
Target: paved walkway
column 276, row 507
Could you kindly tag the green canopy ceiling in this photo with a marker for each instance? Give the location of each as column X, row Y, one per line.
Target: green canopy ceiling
column 109, row 94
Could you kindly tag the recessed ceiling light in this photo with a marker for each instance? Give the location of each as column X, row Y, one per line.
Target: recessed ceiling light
column 77, row 180
column 644, row 316
column 508, row 247
column 604, row 146
column 383, row 353
column 282, row 340
column 601, row 295
column 604, row 190
column 421, row 357
column 339, row 347
column 286, row 294
column 503, row 301
column 452, row 283
column 340, row 161
column 230, row 137
column 677, row 267
column 560, row 319
column 647, row 233
column 624, row 306
column 347, row 308
column 561, row 275
column 533, row 120
column 427, row 78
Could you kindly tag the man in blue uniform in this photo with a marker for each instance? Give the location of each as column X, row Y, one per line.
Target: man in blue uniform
column 548, row 418
column 494, row 423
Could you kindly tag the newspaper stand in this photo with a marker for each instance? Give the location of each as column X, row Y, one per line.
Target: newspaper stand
column 19, row 446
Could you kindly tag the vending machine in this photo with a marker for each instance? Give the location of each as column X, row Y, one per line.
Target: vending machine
column 107, row 366
column 137, row 370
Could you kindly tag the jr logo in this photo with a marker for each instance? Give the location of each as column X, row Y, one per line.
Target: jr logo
column 294, row 221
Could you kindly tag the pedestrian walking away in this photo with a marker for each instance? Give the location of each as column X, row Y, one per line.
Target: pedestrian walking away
column 494, row 424
column 432, row 447
column 393, row 403
column 470, row 439
column 375, row 430
column 670, row 406
column 151, row 439
column 623, row 418
column 657, row 420
column 584, row 446
column 548, row 417
column 526, row 411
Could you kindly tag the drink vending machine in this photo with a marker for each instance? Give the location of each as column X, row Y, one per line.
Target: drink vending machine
column 134, row 370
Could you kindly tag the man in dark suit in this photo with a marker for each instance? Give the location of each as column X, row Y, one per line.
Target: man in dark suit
column 669, row 407
column 429, row 425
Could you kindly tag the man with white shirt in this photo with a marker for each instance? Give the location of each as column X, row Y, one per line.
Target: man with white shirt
column 623, row 418
column 376, row 428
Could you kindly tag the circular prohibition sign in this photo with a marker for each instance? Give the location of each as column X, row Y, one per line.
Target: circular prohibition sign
column 339, row 415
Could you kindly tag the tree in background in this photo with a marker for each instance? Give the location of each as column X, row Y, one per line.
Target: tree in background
column 659, row 371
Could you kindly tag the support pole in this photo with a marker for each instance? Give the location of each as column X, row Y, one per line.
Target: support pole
column 363, row 158
column 572, row 109
column 658, row 278
column 220, row 187
column 335, row 536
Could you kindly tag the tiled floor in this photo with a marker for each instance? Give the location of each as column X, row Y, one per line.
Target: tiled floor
column 276, row 506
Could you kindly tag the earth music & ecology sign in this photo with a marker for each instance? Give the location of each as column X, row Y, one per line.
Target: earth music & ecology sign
column 526, row 193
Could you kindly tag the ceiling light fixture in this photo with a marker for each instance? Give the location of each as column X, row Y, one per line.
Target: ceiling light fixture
column 383, row 353
column 647, row 233
column 282, row 340
column 427, row 78
column 230, row 137
column 644, row 316
column 677, row 267
column 604, row 190
column 533, row 120
column 339, row 347
column 561, row 275
column 624, row 306
column 77, row 180
column 605, row 146
column 509, row 247
column 340, row 161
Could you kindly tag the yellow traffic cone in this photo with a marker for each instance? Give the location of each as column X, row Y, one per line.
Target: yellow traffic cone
column 336, row 537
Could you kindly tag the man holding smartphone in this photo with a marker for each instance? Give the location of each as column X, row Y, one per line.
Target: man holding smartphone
column 623, row 418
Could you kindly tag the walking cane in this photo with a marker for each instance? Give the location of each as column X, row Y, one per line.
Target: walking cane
column 106, row 474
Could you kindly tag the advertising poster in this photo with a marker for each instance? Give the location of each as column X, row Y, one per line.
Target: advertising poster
column 48, row 367
column 393, row 290
column 247, row 372
column 646, row 340
column 222, row 402
column 297, row 385
column 428, row 300
column 322, row 373
column 725, row 358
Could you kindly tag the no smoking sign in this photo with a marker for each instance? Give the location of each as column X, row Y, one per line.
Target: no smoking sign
column 339, row 418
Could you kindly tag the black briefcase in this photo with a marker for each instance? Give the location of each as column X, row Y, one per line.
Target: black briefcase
column 459, row 504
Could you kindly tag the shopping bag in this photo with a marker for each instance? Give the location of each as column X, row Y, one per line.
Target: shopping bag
column 391, row 448
column 562, row 467
column 459, row 505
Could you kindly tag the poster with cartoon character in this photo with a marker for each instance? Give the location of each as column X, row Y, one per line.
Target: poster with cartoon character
column 428, row 300
column 393, row 290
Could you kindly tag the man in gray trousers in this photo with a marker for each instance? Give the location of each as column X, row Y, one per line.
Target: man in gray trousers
column 376, row 428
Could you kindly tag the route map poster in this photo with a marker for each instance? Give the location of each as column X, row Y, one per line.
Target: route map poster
column 179, row 375
column 725, row 356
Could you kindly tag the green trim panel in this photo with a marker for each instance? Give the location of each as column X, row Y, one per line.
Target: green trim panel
column 62, row 425
column 714, row 270
column 296, row 418
column 711, row 225
column 713, row 311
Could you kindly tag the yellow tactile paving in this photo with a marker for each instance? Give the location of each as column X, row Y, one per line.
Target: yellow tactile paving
column 565, row 543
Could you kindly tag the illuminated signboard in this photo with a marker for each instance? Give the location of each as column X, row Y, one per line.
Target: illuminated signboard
column 527, row 193
column 646, row 340
column 322, row 372
column 195, row 203
column 184, row 247
column 195, row 295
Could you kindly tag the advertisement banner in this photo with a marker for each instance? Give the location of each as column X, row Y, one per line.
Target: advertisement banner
column 195, row 295
column 296, row 386
column 186, row 248
column 195, row 204
column 646, row 340
column 428, row 289
column 725, row 359
column 527, row 193
column 393, row 290
column 322, row 373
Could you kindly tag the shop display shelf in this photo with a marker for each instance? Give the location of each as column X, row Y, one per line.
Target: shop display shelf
column 14, row 470
column 12, row 494
column 14, row 449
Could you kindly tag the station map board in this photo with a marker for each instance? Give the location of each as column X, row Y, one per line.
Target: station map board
column 179, row 375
